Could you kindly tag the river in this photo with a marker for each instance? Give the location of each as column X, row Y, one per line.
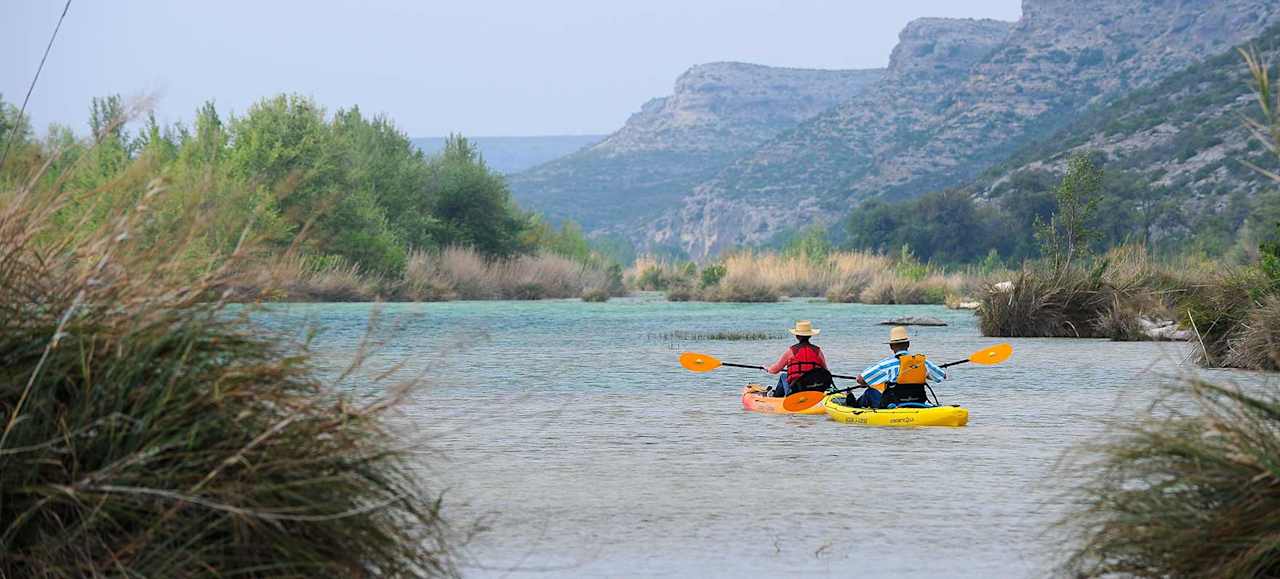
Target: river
column 571, row 430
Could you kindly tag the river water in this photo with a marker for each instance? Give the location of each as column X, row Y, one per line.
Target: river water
column 572, row 431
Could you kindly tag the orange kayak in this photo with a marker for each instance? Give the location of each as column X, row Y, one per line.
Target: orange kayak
column 754, row 399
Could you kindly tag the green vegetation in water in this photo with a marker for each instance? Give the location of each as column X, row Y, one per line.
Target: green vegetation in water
column 149, row 432
column 727, row 335
column 1193, row 494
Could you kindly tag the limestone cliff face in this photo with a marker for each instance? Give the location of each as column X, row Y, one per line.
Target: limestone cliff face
column 716, row 112
column 729, row 106
column 927, row 125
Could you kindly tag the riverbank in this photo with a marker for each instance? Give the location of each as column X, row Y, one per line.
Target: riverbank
column 1231, row 314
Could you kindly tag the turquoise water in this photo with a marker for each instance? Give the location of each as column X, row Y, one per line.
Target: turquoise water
column 573, row 432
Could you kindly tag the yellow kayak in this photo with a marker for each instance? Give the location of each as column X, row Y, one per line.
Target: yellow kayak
column 930, row 416
column 753, row 399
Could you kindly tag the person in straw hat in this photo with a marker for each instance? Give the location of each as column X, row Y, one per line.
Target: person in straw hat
column 900, row 378
column 799, row 363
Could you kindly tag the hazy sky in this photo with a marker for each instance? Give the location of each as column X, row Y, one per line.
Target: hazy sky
column 480, row 67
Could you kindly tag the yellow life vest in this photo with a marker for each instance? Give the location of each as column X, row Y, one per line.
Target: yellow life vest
column 911, row 369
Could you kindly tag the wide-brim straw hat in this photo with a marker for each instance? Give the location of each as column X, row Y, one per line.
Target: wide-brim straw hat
column 804, row 328
column 898, row 335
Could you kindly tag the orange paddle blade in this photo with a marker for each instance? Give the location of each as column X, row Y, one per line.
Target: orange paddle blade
column 802, row 401
column 993, row 355
column 695, row 362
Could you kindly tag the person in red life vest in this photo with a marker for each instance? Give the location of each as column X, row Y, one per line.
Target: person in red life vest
column 798, row 361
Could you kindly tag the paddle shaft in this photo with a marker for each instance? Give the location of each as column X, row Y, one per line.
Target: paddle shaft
column 762, row 368
column 741, row 366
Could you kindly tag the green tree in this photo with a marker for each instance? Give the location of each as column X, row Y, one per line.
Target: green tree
column 472, row 203
column 1065, row 237
column 810, row 243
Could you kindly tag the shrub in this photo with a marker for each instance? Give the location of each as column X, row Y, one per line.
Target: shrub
column 1187, row 495
column 595, row 295
column 712, row 274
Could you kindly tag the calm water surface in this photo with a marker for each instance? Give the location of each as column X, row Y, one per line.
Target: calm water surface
column 572, row 430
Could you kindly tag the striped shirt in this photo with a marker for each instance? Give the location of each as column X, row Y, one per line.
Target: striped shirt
column 886, row 370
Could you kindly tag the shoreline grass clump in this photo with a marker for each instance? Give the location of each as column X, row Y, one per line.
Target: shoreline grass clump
column 839, row 276
column 1188, row 495
column 464, row 273
column 145, row 431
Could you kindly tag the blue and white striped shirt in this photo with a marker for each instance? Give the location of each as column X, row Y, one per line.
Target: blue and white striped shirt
column 886, row 370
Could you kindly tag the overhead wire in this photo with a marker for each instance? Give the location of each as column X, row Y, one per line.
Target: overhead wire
column 8, row 142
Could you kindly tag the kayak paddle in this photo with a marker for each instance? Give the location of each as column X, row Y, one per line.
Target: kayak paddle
column 695, row 362
column 987, row 356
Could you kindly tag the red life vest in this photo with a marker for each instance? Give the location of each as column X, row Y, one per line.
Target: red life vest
column 804, row 357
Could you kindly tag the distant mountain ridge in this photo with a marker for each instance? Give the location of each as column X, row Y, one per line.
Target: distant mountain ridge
column 716, row 112
column 902, row 138
column 1182, row 141
column 513, row 154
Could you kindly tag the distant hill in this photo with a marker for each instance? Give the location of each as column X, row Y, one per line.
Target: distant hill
column 902, row 139
column 513, row 154
column 1180, row 144
column 716, row 112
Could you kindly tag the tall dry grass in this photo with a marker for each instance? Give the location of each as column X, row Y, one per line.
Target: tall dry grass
column 1107, row 298
column 463, row 273
column 295, row 278
column 146, row 431
column 838, row 276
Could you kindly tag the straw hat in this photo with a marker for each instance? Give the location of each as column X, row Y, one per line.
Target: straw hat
column 898, row 335
column 804, row 328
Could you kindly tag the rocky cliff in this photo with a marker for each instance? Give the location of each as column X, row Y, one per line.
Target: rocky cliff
column 926, row 126
column 1178, row 151
column 715, row 113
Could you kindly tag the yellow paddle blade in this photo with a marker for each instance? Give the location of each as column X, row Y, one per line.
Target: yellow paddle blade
column 993, row 355
column 802, row 401
column 695, row 362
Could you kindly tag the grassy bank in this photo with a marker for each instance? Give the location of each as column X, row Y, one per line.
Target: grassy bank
column 454, row 273
column 1193, row 494
column 148, row 432
column 836, row 275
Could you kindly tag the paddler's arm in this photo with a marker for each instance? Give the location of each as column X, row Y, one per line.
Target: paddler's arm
column 936, row 373
column 780, row 364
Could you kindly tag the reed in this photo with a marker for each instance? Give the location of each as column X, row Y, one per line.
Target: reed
column 1256, row 344
column 463, row 273
column 149, row 432
column 294, row 278
column 1185, row 495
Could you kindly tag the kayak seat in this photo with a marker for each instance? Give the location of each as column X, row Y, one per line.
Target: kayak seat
column 816, row 380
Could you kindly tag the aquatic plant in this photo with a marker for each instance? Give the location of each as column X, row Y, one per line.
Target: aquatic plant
column 1190, row 494
column 726, row 335
column 147, row 431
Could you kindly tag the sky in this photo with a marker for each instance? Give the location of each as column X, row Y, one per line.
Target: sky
column 477, row 67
